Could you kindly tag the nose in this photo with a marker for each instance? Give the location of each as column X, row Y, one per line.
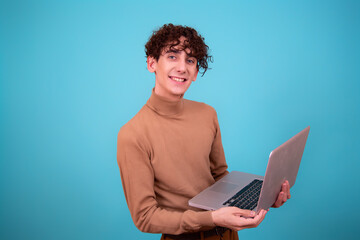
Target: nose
column 181, row 66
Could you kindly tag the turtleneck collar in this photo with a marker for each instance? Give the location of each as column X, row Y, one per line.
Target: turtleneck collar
column 164, row 106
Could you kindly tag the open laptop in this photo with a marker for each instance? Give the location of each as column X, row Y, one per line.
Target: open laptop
column 254, row 192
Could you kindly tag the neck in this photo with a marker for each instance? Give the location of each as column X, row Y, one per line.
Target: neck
column 164, row 105
column 168, row 96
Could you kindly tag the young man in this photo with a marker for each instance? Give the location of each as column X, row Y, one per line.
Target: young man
column 171, row 150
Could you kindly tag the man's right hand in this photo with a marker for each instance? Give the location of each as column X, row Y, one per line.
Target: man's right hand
column 236, row 218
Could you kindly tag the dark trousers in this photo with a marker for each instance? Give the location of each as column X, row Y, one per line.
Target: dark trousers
column 228, row 235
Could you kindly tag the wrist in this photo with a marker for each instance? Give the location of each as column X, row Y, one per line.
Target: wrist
column 215, row 218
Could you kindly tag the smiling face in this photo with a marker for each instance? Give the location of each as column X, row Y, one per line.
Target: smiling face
column 175, row 70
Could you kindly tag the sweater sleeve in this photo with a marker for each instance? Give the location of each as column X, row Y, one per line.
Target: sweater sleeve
column 218, row 163
column 137, row 177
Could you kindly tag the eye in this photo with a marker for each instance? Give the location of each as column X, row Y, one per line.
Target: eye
column 171, row 57
column 191, row 60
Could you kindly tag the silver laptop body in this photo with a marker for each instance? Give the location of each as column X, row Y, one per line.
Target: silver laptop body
column 283, row 165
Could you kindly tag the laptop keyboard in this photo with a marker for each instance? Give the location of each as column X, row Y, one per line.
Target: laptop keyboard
column 246, row 198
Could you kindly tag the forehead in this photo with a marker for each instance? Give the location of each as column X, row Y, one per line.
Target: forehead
column 177, row 46
column 177, row 49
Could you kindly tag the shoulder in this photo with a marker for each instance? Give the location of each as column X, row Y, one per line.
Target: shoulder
column 200, row 107
column 133, row 130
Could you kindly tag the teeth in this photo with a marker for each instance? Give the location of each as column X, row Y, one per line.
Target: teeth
column 178, row 79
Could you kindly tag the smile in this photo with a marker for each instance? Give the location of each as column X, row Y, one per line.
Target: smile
column 178, row 79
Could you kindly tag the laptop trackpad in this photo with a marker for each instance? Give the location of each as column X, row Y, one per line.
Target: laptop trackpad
column 224, row 187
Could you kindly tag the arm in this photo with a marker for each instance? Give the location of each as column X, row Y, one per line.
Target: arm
column 230, row 217
column 218, row 163
column 137, row 175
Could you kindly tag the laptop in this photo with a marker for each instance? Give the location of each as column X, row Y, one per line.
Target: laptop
column 254, row 192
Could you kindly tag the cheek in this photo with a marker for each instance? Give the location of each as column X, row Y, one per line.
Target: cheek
column 194, row 73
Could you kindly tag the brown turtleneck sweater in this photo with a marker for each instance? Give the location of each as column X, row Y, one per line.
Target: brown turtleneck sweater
column 167, row 153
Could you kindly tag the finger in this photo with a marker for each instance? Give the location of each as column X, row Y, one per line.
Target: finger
column 285, row 198
column 254, row 222
column 279, row 200
column 284, row 187
column 288, row 189
column 262, row 215
column 245, row 213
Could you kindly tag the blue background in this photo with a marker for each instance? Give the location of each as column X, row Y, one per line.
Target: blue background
column 73, row 72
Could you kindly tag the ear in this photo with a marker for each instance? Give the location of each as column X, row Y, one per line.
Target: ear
column 151, row 64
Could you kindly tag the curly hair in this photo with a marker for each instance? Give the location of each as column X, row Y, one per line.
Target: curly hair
column 168, row 36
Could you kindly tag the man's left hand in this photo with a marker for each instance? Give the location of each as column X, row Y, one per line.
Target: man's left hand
column 283, row 196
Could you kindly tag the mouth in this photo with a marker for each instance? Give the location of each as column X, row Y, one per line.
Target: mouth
column 178, row 79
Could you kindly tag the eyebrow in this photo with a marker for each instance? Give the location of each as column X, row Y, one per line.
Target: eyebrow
column 172, row 51
column 177, row 51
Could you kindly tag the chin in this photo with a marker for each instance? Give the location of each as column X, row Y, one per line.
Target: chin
column 179, row 92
